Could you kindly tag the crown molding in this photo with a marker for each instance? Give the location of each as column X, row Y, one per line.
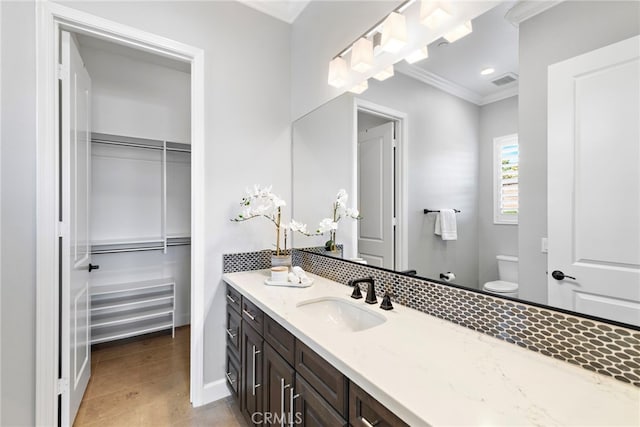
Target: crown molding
column 452, row 88
column 499, row 96
column 439, row 82
column 286, row 11
column 526, row 9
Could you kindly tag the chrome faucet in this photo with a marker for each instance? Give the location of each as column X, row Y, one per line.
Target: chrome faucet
column 371, row 290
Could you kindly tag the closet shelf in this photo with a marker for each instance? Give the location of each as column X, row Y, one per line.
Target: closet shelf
column 117, row 334
column 124, row 310
column 129, row 141
column 136, row 245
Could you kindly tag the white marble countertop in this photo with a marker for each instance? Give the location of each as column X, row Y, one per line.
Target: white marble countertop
column 432, row 372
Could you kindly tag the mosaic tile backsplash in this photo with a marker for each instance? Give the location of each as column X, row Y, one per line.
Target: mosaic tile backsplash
column 597, row 346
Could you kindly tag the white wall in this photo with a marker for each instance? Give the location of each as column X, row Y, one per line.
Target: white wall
column 322, row 30
column 496, row 119
column 564, row 31
column 18, row 214
column 247, row 110
column 137, row 98
column 443, row 172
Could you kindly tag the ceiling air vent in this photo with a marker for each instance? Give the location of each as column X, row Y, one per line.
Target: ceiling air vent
column 505, row 79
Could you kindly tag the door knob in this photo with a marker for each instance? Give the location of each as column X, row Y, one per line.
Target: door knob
column 559, row 275
column 93, row 267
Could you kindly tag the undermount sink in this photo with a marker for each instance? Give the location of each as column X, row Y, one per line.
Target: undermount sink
column 339, row 314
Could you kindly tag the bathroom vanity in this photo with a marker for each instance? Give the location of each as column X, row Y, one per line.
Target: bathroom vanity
column 318, row 355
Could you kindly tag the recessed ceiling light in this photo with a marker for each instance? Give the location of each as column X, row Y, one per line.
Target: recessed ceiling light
column 487, row 71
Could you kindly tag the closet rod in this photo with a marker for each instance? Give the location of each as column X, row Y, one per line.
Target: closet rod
column 114, row 251
column 126, row 144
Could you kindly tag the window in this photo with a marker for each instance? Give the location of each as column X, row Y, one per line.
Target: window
column 505, row 179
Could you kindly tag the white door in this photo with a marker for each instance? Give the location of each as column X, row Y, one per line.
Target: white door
column 594, row 182
column 376, row 196
column 76, row 254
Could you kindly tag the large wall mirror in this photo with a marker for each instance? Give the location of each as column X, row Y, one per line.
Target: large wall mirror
column 512, row 126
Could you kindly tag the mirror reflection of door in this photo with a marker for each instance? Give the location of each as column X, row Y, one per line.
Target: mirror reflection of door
column 376, row 178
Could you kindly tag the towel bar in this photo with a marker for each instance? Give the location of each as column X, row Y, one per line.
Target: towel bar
column 430, row 211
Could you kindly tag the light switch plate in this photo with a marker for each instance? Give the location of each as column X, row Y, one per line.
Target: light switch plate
column 544, row 247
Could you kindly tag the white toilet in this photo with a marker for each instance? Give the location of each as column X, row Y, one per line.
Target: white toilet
column 507, row 285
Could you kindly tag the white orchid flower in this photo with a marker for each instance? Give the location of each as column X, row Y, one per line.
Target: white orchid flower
column 353, row 213
column 327, row 224
column 297, row 226
column 342, row 197
column 278, row 202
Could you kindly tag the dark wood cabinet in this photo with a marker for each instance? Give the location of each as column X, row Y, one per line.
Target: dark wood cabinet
column 252, row 315
column 279, row 379
column 329, row 382
column 233, row 332
column 311, row 410
column 280, row 339
column 251, row 372
column 233, row 375
column 233, row 299
column 366, row 411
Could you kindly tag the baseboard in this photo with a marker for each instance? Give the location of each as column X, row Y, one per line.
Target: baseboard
column 215, row 390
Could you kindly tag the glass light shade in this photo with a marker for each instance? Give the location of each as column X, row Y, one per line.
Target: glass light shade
column 417, row 55
column 384, row 74
column 433, row 14
column 458, row 32
column 362, row 55
column 360, row 87
column 338, row 72
column 394, row 33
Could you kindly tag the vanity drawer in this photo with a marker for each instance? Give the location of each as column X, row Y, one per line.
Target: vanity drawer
column 233, row 299
column 323, row 377
column 233, row 332
column 280, row 339
column 252, row 315
column 365, row 411
column 233, row 374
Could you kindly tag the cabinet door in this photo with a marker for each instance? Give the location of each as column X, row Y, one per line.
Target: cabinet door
column 311, row 410
column 365, row 411
column 278, row 382
column 252, row 357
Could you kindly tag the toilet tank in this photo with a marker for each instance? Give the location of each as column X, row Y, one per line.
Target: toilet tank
column 507, row 268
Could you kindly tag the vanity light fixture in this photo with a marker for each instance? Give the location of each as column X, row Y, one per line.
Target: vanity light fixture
column 362, row 55
column 384, row 74
column 433, row 14
column 360, row 87
column 458, row 32
column 487, row 71
column 394, row 33
column 417, row 55
column 338, row 72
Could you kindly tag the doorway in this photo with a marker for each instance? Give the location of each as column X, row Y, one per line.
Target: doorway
column 381, row 153
column 125, row 171
column 53, row 19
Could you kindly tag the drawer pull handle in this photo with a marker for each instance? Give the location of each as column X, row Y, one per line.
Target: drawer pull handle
column 231, row 299
column 231, row 334
column 248, row 313
column 368, row 424
column 283, row 386
column 292, row 397
column 254, row 386
column 231, row 380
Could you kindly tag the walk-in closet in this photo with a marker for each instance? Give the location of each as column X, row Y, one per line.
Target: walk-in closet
column 140, row 227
